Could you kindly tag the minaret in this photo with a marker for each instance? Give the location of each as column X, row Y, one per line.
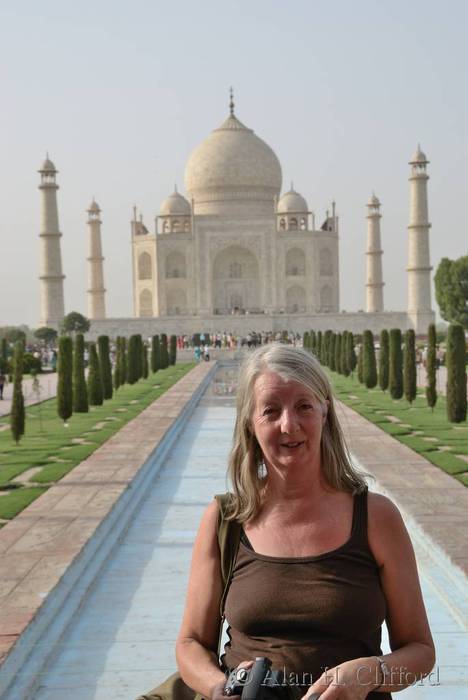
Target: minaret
column 374, row 278
column 51, row 277
column 96, row 291
column 419, row 266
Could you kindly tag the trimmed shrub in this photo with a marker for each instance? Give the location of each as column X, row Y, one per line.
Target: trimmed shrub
column 384, row 360
column 332, row 352
column 123, row 361
column 409, row 366
column 396, row 365
column 318, row 347
column 326, row 348
column 164, row 352
column 431, row 367
column 134, row 359
column 105, row 365
column 338, row 342
column 17, row 415
column 344, row 354
column 360, row 365
column 95, row 390
column 144, row 360
column 306, row 341
column 173, row 350
column 65, row 378
column 313, row 342
column 369, row 366
column 155, row 354
column 351, row 359
column 118, row 362
column 456, row 374
column 80, row 392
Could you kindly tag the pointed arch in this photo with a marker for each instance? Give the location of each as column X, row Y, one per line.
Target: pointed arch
column 295, row 262
column 175, row 265
column 144, row 266
column 146, row 302
column 295, row 299
column 326, row 298
column 326, row 262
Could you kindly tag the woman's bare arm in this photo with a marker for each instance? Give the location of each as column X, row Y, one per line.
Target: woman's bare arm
column 413, row 653
column 197, row 642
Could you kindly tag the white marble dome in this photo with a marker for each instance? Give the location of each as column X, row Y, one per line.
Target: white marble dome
column 231, row 166
column 48, row 166
column 175, row 205
column 292, row 203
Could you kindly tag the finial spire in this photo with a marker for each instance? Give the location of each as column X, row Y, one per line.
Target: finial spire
column 231, row 101
column 292, row 186
column 175, row 188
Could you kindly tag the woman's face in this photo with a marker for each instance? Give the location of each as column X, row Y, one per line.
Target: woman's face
column 287, row 421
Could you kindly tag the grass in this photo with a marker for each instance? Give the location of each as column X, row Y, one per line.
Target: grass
column 56, row 448
column 427, row 432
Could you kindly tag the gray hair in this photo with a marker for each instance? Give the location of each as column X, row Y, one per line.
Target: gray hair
column 246, row 458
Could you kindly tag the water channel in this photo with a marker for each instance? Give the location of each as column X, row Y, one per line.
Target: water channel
column 121, row 643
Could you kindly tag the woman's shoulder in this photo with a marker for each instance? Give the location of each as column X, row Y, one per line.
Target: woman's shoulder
column 386, row 530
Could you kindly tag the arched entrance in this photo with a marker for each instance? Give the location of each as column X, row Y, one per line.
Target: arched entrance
column 235, row 285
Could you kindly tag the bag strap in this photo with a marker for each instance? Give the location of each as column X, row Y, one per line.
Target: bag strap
column 229, row 532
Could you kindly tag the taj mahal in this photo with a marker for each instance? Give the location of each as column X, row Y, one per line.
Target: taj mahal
column 236, row 254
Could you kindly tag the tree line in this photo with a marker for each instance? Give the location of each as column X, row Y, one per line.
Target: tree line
column 395, row 367
column 76, row 392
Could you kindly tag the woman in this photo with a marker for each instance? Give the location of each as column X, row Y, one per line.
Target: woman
column 321, row 563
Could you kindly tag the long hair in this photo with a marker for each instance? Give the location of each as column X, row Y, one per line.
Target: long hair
column 246, row 458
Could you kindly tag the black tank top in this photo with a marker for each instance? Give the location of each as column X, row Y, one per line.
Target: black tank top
column 307, row 613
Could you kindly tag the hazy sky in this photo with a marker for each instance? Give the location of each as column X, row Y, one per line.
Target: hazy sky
column 121, row 91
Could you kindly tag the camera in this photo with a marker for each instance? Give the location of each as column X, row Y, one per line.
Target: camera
column 255, row 683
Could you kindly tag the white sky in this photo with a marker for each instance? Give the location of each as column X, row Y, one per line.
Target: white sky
column 121, row 91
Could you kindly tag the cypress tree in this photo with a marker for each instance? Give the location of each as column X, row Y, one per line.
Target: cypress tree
column 80, row 392
column 325, row 348
column 313, row 342
column 139, row 357
column 118, row 362
column 338, row 342
column 155, row 353
column 369, row 367
column 431, row 371
column 384, row 360
column 409, row 366
column 144, row 350
column 4, row 356
column 344, row 354
column 350, row 354
column 456, row 374
column 123, row 361
column 318, row 348
column 306, row 341
column 360, row 365
column 105, row 366
column 95, row 388
column 173, row 350
column 396, row 364
column 164, row 352
column 332, row 352
column 134, row 359
column 65, row 378
column 17, row 415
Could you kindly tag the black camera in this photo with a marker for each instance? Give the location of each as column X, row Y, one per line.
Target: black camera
column 255, row 683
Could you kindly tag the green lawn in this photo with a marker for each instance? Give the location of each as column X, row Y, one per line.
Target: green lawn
column 427, row 432
column 54, row 448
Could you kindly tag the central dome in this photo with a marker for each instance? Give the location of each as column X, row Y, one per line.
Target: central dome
column 233, row 171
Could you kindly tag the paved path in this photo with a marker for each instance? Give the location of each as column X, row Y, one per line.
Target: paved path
column 48, row 389
column 122, row 642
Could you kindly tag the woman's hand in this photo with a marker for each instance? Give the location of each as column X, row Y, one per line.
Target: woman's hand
column 351, row 680
column 218, row 690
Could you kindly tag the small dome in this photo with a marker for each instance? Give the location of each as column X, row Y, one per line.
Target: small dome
column 48, row 167
column 373, row 201
column 292, row 203
column 419, row 157
column 94, row 206
column 175, row 205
